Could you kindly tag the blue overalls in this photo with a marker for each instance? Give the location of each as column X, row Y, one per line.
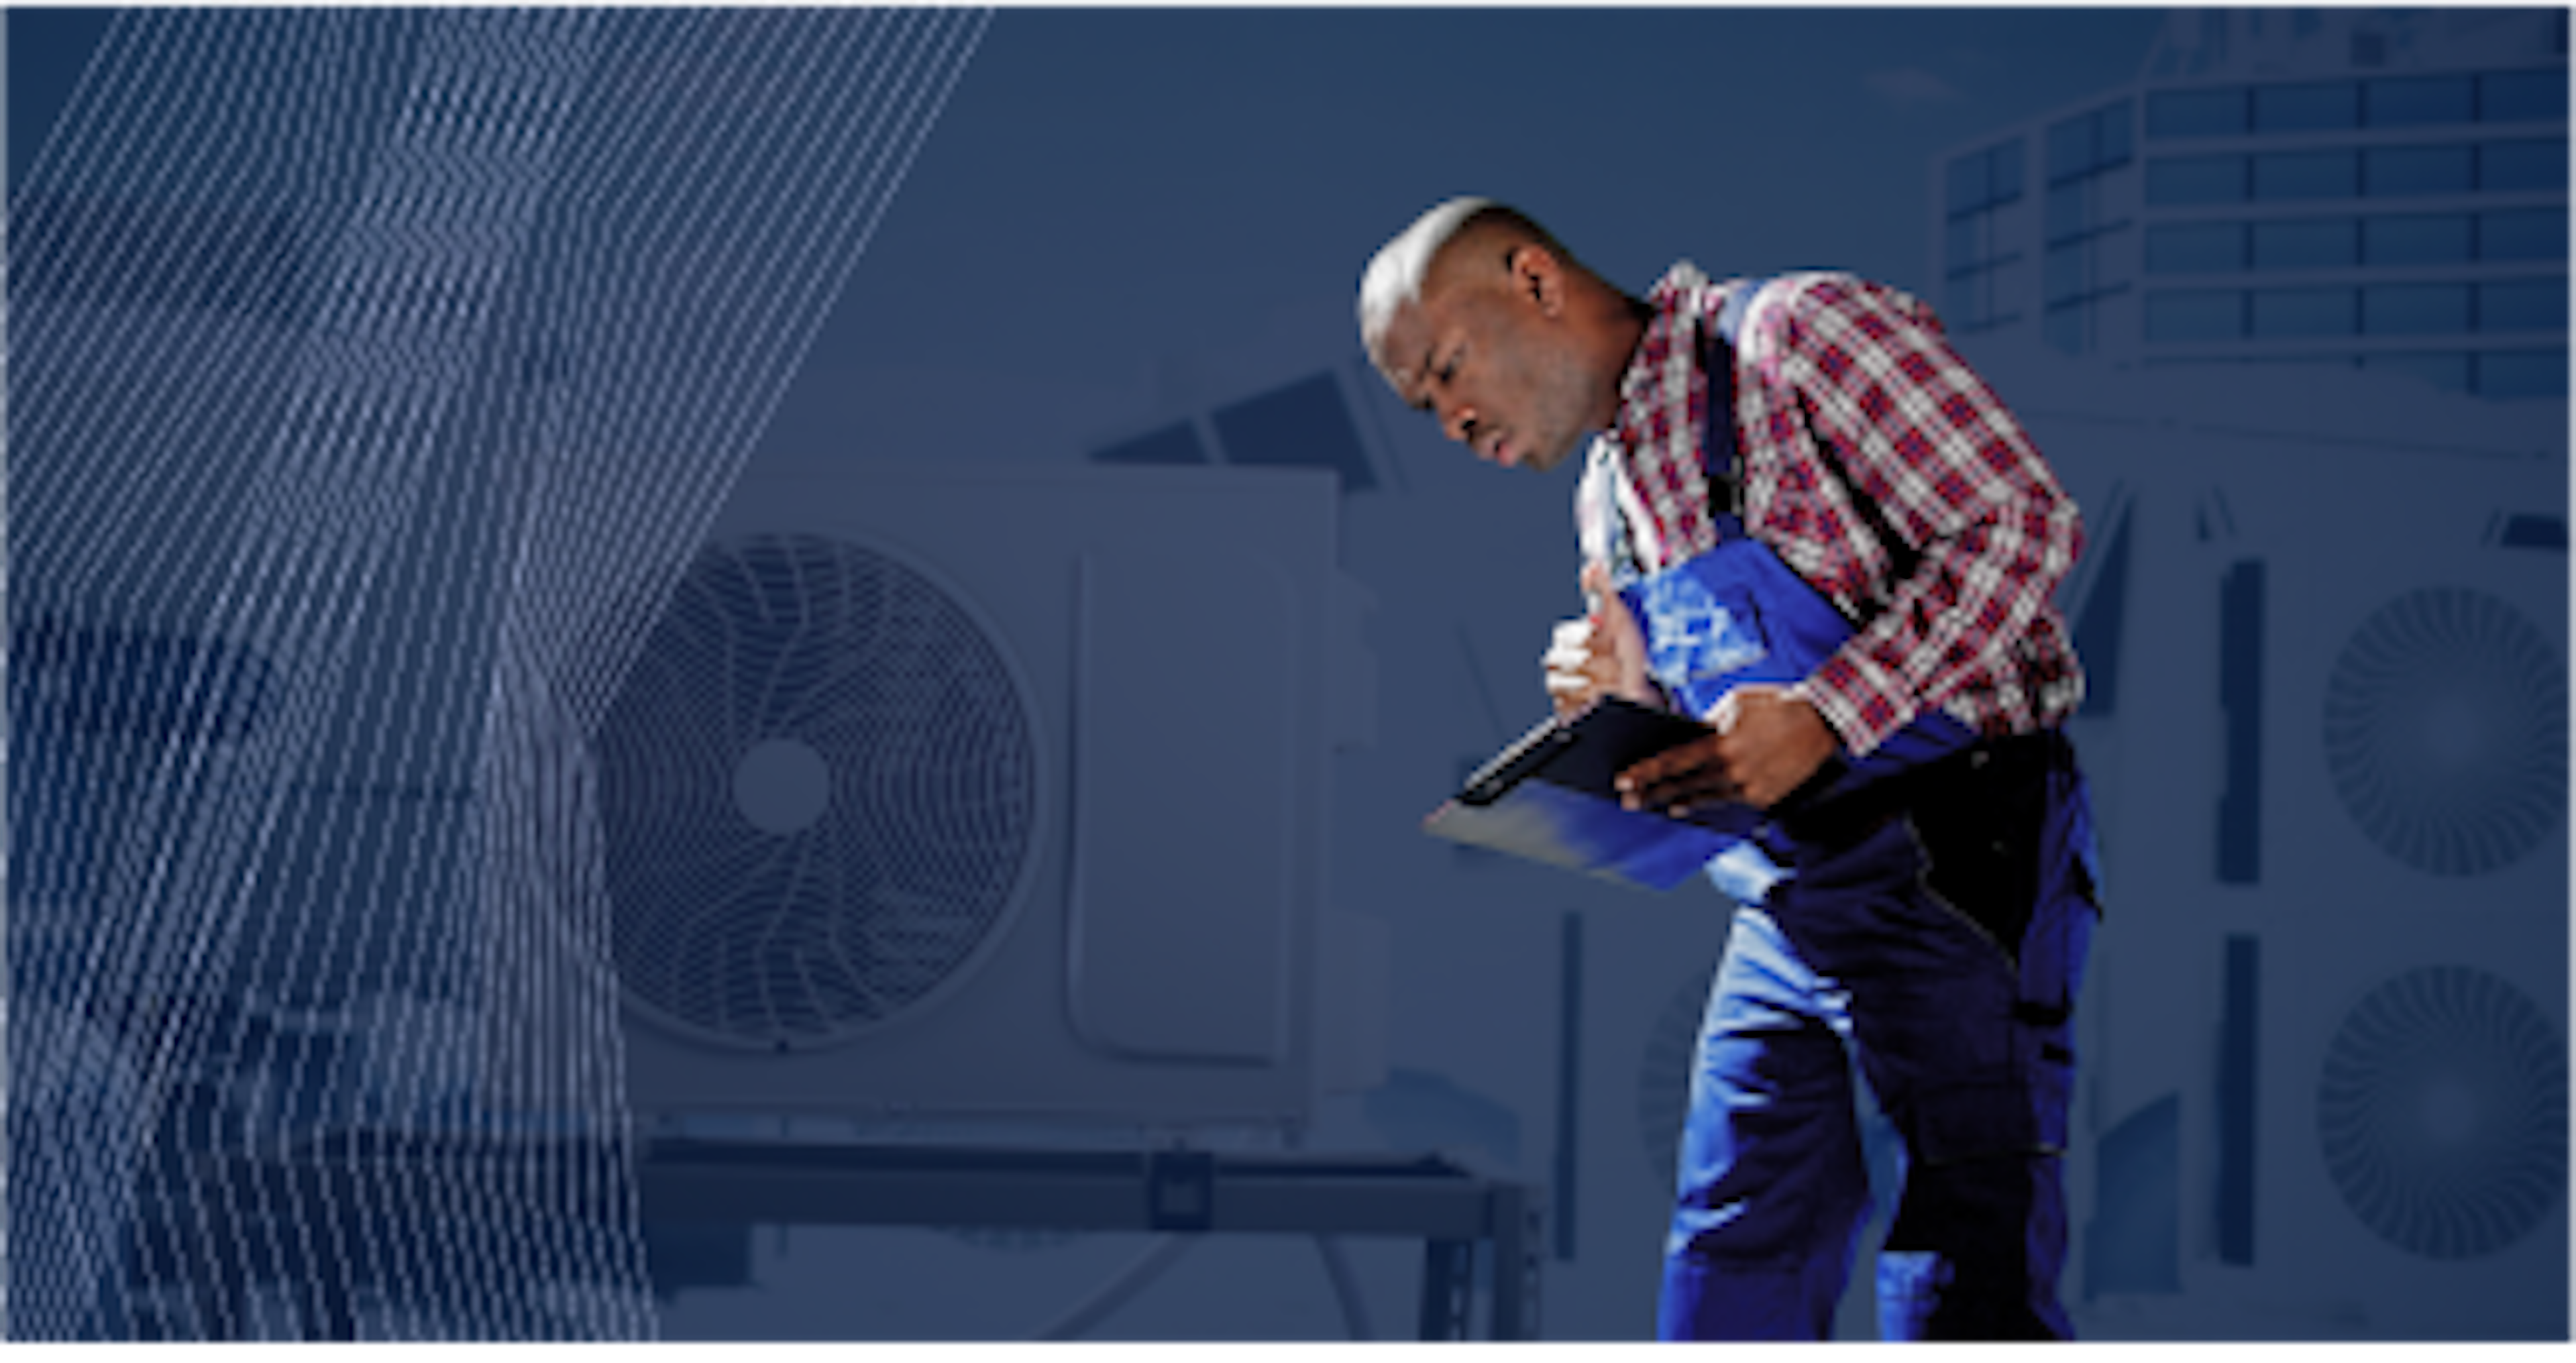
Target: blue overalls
column 1926, row 912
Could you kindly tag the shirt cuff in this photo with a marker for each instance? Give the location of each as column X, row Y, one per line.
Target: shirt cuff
column 1862, row 704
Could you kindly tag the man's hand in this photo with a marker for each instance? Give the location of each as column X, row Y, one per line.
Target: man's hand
column 1603, row 653
column 1768, row 742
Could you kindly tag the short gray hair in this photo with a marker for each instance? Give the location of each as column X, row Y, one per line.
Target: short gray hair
column 1395, row 274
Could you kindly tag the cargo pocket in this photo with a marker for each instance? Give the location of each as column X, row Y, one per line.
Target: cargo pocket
column 1980, row 826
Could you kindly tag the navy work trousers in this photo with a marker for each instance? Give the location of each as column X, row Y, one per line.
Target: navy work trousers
column 1939, row 940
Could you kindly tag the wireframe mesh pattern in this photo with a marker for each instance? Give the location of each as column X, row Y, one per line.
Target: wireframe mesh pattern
column 880, row 894
column 2446, row 731
column 358, row 360
column 2442, row 1112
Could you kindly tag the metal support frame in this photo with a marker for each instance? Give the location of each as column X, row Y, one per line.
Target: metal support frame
column 1449, row 1208
column 1452, row 1210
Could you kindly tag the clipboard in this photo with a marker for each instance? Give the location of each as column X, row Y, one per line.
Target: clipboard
column 1549, row 798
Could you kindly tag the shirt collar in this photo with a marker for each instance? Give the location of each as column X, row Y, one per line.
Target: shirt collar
column 1663, row 411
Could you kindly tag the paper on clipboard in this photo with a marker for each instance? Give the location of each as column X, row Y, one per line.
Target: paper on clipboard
column 1549, row 798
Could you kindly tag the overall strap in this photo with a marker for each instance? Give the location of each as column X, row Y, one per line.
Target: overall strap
column 1721, row 456
column 1730, row 316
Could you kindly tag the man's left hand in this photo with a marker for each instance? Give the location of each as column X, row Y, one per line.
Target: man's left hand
column 1768, row 742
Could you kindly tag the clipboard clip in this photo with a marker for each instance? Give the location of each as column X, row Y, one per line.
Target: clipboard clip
column 1516, row 763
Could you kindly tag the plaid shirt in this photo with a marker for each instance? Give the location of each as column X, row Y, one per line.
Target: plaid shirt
column 1832, row 365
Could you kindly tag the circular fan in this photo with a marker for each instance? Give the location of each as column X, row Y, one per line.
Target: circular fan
column 819, row 793
column 2442, row 1110
column 2446, row 729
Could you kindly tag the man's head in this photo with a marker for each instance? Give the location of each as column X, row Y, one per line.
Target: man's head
column 1475, row 314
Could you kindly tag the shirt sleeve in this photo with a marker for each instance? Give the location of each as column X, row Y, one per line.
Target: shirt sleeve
column 1953, row 474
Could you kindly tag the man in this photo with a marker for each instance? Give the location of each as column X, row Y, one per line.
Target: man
column 1803, row 469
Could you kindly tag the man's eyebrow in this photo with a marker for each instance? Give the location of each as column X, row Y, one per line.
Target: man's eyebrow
column 1421, row 401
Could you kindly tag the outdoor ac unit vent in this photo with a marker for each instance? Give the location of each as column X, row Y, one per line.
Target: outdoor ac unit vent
column 818, row 794
column 2442, row 1109
column 2446, row 730
column 988, row 794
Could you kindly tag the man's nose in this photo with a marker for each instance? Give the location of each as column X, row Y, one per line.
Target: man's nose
column 1457, row 420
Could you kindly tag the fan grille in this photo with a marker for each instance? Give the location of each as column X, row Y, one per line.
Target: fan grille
column 2442, row 1111
column 2446, row 731
column 818, row 792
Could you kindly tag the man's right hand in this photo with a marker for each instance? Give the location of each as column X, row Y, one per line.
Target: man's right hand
column 1603, row 653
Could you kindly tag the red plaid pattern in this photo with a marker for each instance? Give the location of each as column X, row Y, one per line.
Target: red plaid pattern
column 1663, row 408
column 1830, row 362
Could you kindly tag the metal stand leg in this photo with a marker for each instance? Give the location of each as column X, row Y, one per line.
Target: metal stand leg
column 1447, row 1278
column 1515, row 1266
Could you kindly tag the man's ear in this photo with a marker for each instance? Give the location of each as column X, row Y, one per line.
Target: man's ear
column 1538, row 276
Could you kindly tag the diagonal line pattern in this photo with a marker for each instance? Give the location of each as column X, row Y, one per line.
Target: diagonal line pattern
column 372, row 376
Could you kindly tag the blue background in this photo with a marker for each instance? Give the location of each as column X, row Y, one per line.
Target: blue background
column 1128, row 219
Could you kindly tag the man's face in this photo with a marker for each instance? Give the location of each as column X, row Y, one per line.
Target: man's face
column 1501, row 370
